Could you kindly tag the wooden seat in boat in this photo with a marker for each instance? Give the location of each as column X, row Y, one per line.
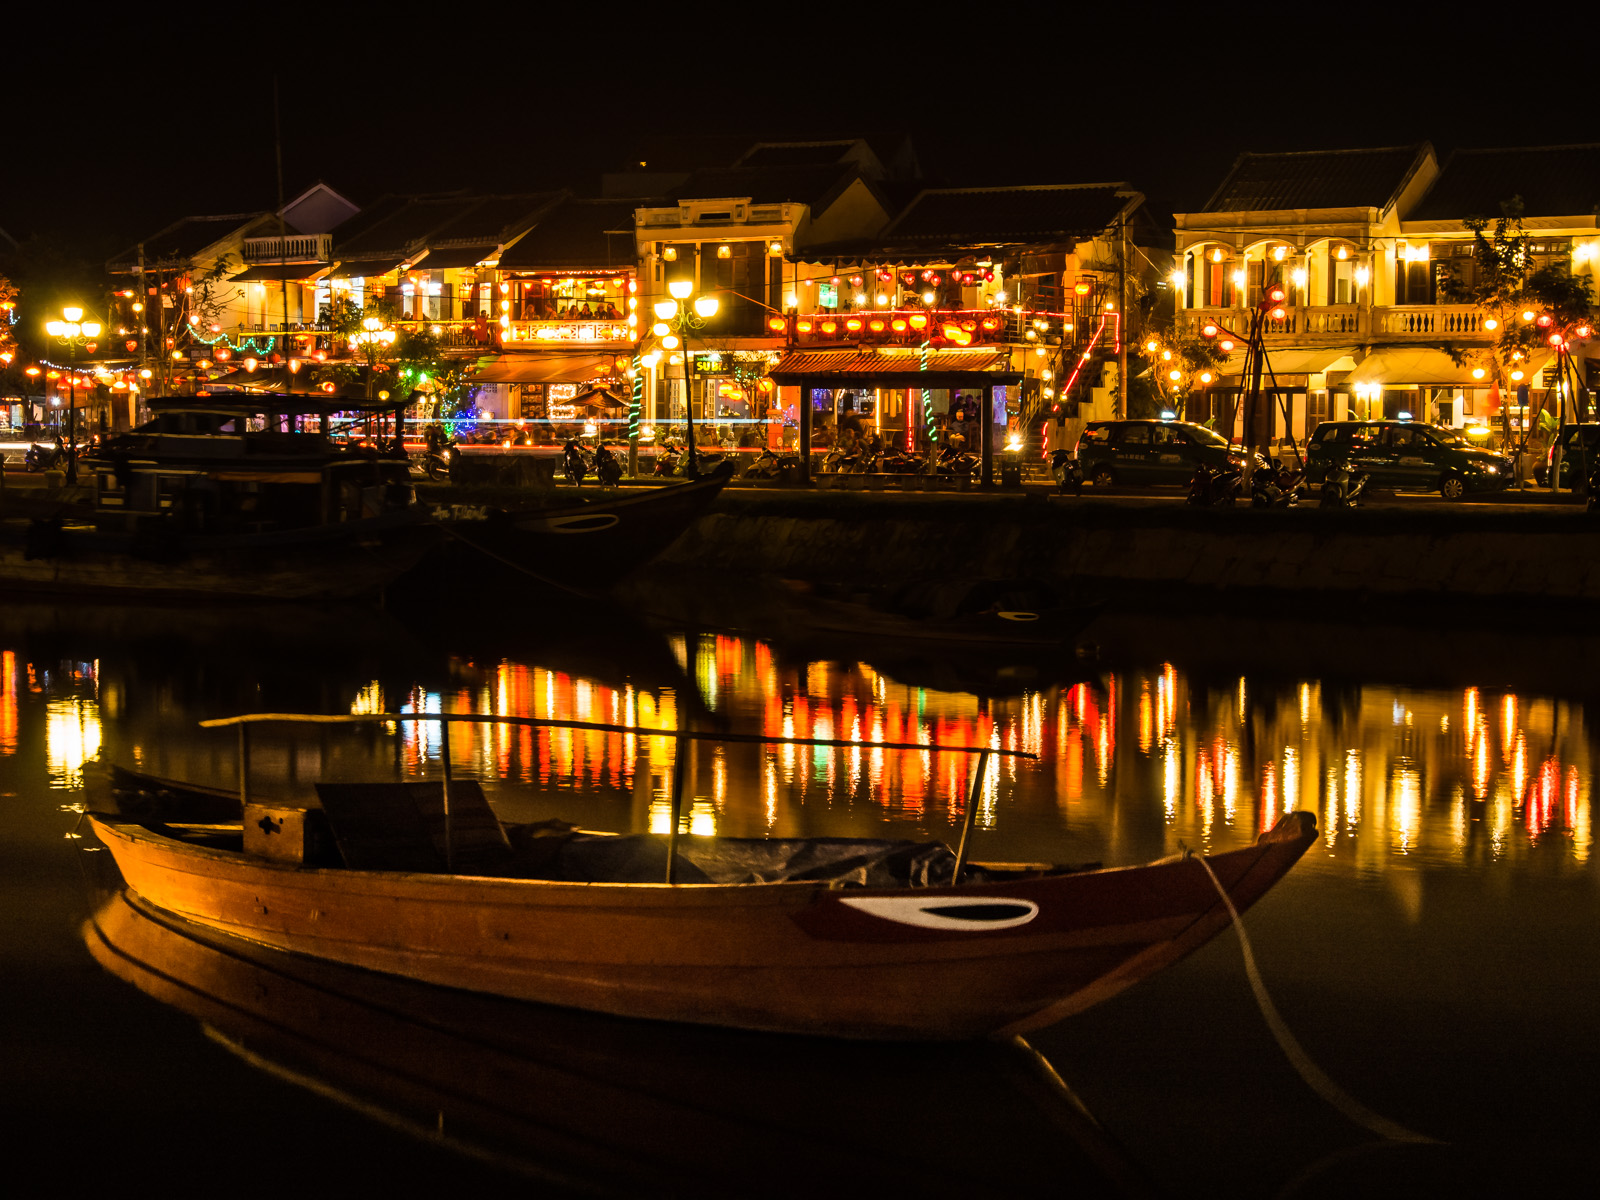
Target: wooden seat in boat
column 402, row 827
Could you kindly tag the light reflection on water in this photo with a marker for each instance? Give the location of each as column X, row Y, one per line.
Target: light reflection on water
column 1393, row 775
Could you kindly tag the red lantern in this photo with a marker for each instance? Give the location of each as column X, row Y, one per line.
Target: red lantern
column 131, row 345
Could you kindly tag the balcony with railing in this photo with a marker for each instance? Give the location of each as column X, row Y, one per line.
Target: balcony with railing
column 585, row 331
column 294, row 247
column 1314, row 325
column 1430, row 321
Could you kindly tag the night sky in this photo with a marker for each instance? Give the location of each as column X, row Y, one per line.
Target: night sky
column 130, row 127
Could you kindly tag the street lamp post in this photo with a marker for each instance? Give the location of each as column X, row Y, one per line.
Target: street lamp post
column 675, row 319
column 72, row 331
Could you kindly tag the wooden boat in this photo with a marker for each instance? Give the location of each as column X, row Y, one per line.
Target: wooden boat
column 604, row 1105
column 588, row 544
column 849, row 939
column 223, row 496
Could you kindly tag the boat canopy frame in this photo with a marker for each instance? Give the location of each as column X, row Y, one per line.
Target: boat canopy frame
column 683, row 736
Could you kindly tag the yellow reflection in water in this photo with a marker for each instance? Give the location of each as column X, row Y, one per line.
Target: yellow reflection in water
column 72, row 738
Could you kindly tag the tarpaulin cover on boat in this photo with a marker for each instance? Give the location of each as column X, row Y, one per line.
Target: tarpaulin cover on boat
column 642, row 858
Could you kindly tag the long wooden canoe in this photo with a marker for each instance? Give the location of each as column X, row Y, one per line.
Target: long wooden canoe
column 968, row 960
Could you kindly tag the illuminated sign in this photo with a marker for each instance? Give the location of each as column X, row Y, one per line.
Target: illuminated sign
column 713, row 364
column 827, row 295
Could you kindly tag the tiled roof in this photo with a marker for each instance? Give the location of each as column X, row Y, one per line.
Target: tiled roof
column 408, row 224
column 576, row 234
column 493, row 219
column 1553, row 181
column 992, row 216
column 804, row 184
column 183, row 239
column 1316, row 179
column 791, row 154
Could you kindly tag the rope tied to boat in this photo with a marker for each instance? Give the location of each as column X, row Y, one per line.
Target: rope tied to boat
column 1314, row 1076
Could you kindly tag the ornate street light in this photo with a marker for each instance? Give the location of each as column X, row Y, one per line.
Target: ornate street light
column 72, row 331
column 675, row 319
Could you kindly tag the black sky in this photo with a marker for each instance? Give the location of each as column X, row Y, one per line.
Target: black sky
column 131, row 127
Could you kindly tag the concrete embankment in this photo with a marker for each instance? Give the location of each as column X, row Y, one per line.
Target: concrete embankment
column 1158, row 552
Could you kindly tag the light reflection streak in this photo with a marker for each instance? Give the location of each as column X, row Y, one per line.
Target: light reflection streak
column 1501, row 774
column 72, row 738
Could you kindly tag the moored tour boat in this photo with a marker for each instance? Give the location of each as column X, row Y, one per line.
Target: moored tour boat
column 840, row 937
column 224, row 496
column 588, row 544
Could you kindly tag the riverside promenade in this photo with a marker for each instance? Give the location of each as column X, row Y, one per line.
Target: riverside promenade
column 1145, row 549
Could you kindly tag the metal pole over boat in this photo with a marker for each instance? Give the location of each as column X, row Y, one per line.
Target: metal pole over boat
column 244, row 765
column 444, row 761
column 680, row 762
column 972, row 814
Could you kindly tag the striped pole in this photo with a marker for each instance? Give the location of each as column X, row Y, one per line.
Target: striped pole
column 635, row 405
column 927, row 409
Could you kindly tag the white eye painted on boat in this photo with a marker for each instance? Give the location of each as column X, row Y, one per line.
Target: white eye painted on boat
column 1017, row 616
column 971, row 914
column 583, row 523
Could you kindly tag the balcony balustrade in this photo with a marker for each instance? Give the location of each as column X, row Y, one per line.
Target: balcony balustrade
column 295, row 247
column 1429, row 320
column 588, row 331
column 1422, row 322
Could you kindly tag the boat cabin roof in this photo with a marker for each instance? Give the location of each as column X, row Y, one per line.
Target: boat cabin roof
column 258, row 404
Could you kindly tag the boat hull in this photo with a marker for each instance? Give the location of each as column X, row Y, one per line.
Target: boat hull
column 331, row 562
column 590, row 546
column 786, row 957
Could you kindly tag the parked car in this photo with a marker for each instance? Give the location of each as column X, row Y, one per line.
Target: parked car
column 1150, row 451
column 1570, row 451
column 1406, row 454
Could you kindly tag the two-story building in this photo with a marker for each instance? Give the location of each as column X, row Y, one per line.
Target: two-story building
column 739, row 235
column 975, row 311
column 564, row 303
column 1371, row 247
column 195, row 288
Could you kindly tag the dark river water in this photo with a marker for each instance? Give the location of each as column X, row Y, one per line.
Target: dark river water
column 1434, row 954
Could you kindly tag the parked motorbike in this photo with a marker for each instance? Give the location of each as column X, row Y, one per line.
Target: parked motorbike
column 1068, row 472
column 1273, row 485
column 1215, row 486
column 43, row 458
column 1342, row 486
column 574, row 463
column 901, row 462
column 607, row 468
column 956, row 462
column 769, row 464
column 668, row 453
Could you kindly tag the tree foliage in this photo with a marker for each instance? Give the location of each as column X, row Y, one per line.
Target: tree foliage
column 1527, row 300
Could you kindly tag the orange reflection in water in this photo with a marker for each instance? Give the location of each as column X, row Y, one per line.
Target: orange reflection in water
column 1389, row 772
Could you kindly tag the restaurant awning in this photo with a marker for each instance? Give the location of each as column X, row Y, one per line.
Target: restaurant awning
column 1401, row 365
column 1293, row 362
column 896, row 367
column 544, row 367
column 294, row 272
column 455, row 256
column 365, row 268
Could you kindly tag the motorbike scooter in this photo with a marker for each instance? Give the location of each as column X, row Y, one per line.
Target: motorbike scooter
column 574, row 463
column 607, row 468
column 1068, row 472
column 1273, row 485
column 1215, row 486
column 1342, row 486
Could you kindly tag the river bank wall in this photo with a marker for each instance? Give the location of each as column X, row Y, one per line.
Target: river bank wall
column 1474, row 556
